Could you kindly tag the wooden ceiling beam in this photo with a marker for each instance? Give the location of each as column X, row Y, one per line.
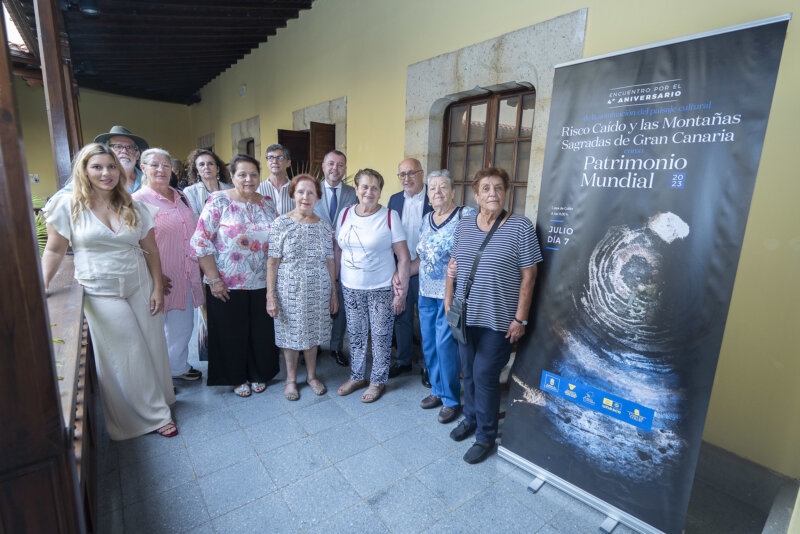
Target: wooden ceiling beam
column 104, row 35
column 150, row 24
column 159, row 17
column 197, row 54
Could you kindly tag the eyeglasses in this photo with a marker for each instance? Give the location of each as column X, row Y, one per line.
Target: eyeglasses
column 276, row 158
column 124, row 148
column 155, row 166
column 409, row 174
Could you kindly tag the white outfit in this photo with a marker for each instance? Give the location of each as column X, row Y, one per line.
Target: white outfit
column 412, row 217
column 129, row 344
column 367, row 261
column 178, row 326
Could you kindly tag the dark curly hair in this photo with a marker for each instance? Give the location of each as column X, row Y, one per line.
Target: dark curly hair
column 191, row 169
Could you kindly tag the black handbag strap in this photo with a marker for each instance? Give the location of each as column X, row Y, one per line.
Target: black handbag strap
column 471, row 277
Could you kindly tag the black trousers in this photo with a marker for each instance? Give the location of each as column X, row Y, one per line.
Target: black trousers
column 241, row 339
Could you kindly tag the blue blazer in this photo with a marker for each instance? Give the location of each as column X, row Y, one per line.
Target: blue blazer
column 322, row 208
column 397, row 200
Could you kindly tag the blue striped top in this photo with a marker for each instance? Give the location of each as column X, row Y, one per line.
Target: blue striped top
column 494, row 295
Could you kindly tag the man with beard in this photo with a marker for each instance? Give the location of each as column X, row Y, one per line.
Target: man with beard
column 128, row 147
column 336, row 196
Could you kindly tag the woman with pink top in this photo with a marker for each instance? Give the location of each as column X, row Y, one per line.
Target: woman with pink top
column 175, row 224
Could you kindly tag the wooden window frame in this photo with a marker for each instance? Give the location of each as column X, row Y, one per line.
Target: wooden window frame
column 492, row 110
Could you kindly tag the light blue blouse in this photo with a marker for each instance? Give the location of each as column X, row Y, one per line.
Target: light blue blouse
column 433, row 250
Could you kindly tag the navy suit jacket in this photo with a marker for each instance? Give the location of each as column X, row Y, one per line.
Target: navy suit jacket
column 397, row 201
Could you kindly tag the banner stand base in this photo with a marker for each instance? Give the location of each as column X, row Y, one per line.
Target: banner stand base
column 614, row 515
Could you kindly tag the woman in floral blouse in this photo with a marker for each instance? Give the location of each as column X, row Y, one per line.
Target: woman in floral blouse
column 231, row 244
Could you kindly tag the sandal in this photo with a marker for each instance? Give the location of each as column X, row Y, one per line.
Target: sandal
column 258, row 387
column 243, row 390
column 373, row 393
column 290, row 391
column 350, row 386
column 317, row 386
column 169, row 430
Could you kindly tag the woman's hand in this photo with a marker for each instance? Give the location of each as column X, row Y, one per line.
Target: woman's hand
column 452, row 268
column 220, row 291
column 515, row 332
column 272, row 306
column 399, row 304
column 334, row 303
column 167, row 284
column 156, row 300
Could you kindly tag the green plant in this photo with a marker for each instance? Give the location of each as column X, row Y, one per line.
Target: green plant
column 39, row 223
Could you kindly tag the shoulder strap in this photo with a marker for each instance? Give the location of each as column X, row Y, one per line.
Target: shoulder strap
column 344, row 216
column 390, row 218
column 471, row 277
column 183, row 197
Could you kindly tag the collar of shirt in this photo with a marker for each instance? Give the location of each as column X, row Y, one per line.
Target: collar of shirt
column 286, row 185
column 418, row 197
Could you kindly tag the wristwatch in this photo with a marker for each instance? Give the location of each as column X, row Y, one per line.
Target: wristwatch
column 523, row 323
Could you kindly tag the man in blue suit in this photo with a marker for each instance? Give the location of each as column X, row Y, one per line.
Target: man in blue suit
column 336, row 196
column 411, row 204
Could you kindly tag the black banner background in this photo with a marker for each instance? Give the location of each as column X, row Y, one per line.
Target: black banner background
column 634, row 300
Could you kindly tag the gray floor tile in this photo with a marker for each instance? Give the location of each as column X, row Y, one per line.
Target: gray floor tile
column 177, row 510
column 453, row 523
column 371, row 470
column 416, row 448
column 321, row 416
column 407, row 506
column 343, row 441
column 275, row 433
column 146, row 447
column 220, row 452
column 235, row 486
column 495, row 510
column 207, row 425
column 107, row 455
column 294, row 461
column 258, row 409
column 111, row 523
column 546, row 502
column 110, row 498
column 358, row 518
column 494, row 468
column 268, row 514
column 451, row 482
column 205, row 528
column 577, row 517
column 352, row 403
column 386, row 423
column 155, row 475
column 319, row 496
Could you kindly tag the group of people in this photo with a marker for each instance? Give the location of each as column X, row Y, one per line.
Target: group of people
column 289, row 264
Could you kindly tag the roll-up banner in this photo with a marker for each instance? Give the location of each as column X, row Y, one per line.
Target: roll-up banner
column 650, row 164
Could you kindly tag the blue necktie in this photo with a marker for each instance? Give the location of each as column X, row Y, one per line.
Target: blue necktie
column 334, row 205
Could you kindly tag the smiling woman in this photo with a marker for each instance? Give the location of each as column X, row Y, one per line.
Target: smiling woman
column 231, row 242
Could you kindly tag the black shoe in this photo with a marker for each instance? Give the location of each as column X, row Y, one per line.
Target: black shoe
column 396, row 370
column 425, row 380
column 191, row 374
column 462, row 431
column 431, row 401
column 448, row 414
column 340, row 358
column 478, row 452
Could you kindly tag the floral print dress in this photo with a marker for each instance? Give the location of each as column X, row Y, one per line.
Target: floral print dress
column 237, row 234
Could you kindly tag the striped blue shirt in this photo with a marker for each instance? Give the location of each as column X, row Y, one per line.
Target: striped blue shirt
column 495, row 293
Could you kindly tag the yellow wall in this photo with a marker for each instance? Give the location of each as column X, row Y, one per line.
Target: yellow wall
column 361, row 49
column 163, row 125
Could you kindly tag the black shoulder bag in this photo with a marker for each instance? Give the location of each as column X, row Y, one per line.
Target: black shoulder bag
column 457, row 314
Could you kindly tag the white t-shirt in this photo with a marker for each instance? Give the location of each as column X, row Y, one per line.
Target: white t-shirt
column 366, row 243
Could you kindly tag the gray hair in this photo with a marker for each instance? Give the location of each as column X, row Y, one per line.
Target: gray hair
column 276, row 146
column 443, row 173
column 148, row 155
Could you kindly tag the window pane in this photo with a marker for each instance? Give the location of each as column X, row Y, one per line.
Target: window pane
column 458, row 123
column 519, row 199
column 455, row 162
column 526, row 124
column 504, row 157
column 477, row 122
column 507, row 118
column 474, row 161
column 523, row 161
column 469, row 198
column 459, row 191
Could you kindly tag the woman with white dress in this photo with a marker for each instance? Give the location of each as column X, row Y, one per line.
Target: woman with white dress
column 117, row 263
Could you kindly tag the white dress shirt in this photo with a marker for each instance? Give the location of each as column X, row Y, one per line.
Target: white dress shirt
column 412, row 218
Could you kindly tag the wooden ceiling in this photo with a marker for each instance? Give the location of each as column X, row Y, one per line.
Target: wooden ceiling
column 163, row 50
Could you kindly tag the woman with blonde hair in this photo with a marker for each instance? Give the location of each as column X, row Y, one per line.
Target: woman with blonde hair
column 116, row 261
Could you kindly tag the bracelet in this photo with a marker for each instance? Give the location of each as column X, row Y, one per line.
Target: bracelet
column 214, row 281
column 523, row 323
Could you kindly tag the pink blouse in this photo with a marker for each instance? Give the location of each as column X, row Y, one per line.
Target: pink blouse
column 175, row 224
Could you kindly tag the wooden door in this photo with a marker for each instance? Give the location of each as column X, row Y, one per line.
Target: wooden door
column 322, row 141
column 297, row 143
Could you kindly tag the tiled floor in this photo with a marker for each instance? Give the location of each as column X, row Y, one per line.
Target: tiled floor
column 324, row 464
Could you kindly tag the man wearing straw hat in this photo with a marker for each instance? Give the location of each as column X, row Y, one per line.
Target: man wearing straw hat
column 128, row 147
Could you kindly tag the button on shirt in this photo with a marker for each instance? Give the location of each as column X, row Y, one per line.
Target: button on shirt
column 412, row 218
column 283, row 202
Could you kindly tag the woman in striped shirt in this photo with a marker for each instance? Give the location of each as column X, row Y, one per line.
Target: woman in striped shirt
column 498, row 304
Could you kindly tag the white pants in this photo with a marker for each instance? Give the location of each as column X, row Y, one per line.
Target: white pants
column 178, row 326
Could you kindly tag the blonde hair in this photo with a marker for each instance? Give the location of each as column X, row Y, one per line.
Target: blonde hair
column 120, row 203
